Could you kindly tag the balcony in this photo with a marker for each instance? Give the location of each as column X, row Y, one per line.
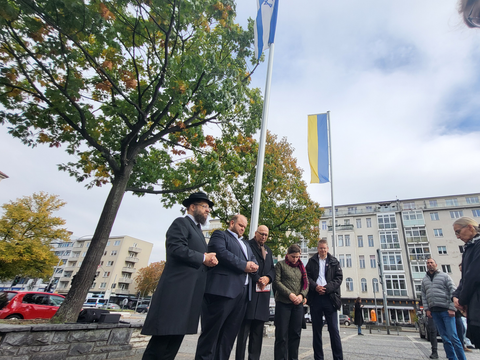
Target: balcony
column 122, row 292
column 417, row 239
column 420, row 257
column 132, row 259
column 129, row 269
column 342, row 227
column 134, row 249
column 125, row 280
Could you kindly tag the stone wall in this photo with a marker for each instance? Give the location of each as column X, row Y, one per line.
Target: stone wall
column 71, row 341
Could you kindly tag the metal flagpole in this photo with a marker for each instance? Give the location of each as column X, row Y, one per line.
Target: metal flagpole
column 261, row 148
column 331, row 181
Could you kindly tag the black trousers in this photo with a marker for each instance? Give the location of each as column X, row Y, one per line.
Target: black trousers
column 319, row 307
column 253, row 331
column 288, row 328
column 221, row 320
column 432, row 334
column 163, row 347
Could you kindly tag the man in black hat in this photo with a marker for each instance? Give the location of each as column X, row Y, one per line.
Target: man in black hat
column 176, row 303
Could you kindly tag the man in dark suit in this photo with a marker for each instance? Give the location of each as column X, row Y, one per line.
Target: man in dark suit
column 258, row 308
column 324, row 277
column 176, row 303
column 228, row 290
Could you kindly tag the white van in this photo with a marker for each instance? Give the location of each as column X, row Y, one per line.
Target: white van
column 95, row 302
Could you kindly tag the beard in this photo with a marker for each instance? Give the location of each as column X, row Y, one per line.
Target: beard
column 200, row 217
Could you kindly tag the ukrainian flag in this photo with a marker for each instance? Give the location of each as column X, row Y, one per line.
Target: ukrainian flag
column 318, row 148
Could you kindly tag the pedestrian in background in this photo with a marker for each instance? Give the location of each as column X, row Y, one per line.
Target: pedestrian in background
column 291, row 288
column 359, row 315
column 437, row 292
column 467, row 296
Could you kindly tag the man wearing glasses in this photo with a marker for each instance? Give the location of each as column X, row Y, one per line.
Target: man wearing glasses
column 258, row 309
column 176, row 304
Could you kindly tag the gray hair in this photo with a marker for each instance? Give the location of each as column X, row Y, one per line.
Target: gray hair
column 465, row 221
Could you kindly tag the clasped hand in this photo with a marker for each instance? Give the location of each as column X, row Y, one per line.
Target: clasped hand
column 251, row 267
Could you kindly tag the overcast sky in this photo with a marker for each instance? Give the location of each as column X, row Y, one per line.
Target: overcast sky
column 400, row 78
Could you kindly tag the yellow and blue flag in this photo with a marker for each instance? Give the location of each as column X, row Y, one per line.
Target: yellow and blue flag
column 265, row 25
column 318, row 148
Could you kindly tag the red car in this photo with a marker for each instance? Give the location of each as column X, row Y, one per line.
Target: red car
column 29, row 304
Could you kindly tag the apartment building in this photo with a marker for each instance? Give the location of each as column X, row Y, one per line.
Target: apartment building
column 405, row 233
column 122, row 258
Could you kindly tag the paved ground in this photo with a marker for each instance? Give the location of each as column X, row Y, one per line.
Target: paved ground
column 375, row 346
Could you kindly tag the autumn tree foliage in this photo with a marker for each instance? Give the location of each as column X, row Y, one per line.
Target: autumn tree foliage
column 285, row 208
column 128, row 87
column 148, row 277
column 27, row 227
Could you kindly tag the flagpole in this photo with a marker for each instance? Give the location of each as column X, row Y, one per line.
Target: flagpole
column 331, row 180
column 261, row 148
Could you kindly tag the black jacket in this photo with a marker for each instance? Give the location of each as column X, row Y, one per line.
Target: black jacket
column 333, row 275
column 258, row 308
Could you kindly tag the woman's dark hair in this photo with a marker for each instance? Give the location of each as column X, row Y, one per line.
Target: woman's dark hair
column 294, row 249
column 359, row 299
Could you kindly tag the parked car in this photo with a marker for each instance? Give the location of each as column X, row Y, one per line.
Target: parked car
column 111, row 306
column 345, row 320
column 272, row 313
column 95, row 302
column 423, row 323
column 29, row 304
column 142, row 308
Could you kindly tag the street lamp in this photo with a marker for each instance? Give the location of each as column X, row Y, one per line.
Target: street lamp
column 375, row 282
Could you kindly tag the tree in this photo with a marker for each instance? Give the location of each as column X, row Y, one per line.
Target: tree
column 128, row 86
column 27, row 227
column 148, row 277
column 286, row 208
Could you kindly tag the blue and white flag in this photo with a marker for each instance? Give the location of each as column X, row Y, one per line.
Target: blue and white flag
column 265, row 25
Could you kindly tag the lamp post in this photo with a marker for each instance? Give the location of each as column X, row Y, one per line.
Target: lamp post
column 375, row 297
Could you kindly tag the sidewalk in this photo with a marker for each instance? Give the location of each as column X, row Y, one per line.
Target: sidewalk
column 375, row 346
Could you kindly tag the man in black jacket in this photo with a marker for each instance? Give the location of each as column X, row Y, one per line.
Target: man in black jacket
column 258, row 308
column 324, row 277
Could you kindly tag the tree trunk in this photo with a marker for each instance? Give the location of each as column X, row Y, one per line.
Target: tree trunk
column 70, row 309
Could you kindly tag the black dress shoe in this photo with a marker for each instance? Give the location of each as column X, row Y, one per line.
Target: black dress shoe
column 434, row 356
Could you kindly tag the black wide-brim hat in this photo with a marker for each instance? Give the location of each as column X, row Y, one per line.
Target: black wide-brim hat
column 196, row 197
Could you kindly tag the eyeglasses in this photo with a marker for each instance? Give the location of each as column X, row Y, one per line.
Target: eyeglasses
column 457, row 232
column 473, row 20
column 205, row 206
column 262, row 234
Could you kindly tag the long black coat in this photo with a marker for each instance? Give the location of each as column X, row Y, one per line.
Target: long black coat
column 258, row 308
column 176, row 303
column 358, row 314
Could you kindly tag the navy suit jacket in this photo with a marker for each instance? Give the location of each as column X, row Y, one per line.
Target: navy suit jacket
column 228, row 277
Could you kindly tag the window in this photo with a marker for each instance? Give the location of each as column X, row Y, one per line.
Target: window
column 456, row 214
column 369, row 208
column 476, row 212
column 451, row 202
column 105, row 253
column 438, row 232
column 412, row 215
column 116, row 243
column 359, row 223
column 392, row 261
column 361, row 261
column 106, row 274
column 123, row 286
column 93, row 285
column 434, row 216
column 114, row 252
column 108, row 243
column 360, row 240
column 369, row 222
column 347, row 240
column 346, row 222
column 109, row 263
column 352, row 210
column 88, row 244
column 396, row 285
column 416, row 234
column 409, row 205
column 363, row 282
column 446, row 269
column 103, row 285
column 373, row 261
column 349, row 260
column 387, row 221
column 84, row 253
column 419, row 252
column 341, row 260
column 340, row 240
column 370, row 241
column 472, row 200
column 349, row 283
column 389, row 240
column 324, row 225
column 419, row 268
column 442, row 250
column 433, row 203
column 375, row 285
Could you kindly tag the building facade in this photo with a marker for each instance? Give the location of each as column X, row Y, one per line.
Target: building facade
column 400, row 235
column 122, row 258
